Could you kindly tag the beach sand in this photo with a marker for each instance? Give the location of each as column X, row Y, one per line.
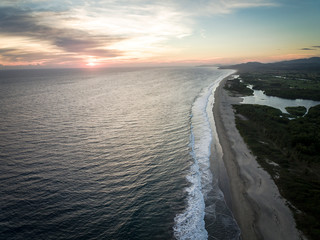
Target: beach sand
column 251, row 194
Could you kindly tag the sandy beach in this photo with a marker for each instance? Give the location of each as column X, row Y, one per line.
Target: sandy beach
column 251, row 193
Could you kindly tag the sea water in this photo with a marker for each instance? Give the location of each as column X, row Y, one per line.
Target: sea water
column 110, row 154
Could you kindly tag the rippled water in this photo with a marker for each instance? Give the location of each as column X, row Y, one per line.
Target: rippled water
column 107, row 154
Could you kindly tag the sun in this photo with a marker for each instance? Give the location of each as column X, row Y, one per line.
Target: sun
column 91, row 64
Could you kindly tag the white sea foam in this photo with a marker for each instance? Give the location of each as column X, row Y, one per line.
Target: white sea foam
column 190, row 224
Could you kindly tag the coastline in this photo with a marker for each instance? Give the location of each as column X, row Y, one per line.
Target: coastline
column 251, row 194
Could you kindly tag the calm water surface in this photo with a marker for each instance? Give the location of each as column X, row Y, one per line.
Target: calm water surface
column 108, row 154
column 260, row 98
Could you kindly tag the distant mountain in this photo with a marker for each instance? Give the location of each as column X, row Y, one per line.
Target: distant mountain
column 312, row 64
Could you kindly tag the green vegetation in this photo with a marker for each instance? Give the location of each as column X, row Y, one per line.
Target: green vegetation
column 286, row 145
column 289, row 151
column 238, row 87
column 290, row 85
column 296, row 111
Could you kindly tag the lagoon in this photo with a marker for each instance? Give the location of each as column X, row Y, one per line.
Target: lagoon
column 259, row 97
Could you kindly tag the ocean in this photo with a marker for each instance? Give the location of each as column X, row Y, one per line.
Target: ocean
column 117, row 153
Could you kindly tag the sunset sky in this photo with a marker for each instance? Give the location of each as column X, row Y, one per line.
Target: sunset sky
column 102, row 33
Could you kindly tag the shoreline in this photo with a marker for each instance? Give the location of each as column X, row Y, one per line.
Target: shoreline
column 250, row 193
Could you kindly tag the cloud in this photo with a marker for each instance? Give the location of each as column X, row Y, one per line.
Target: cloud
column 310, row 48
column 218, row 7
column 19, row 56
column 21, row 23
column 307, row 49
column 111, row 32
column 147, row 27
column 203, row 33
column 46, row 31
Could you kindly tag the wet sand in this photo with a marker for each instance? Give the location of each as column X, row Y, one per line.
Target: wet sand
column 251, row 194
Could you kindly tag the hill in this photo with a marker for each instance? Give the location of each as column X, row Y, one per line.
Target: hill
column 307, row 64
